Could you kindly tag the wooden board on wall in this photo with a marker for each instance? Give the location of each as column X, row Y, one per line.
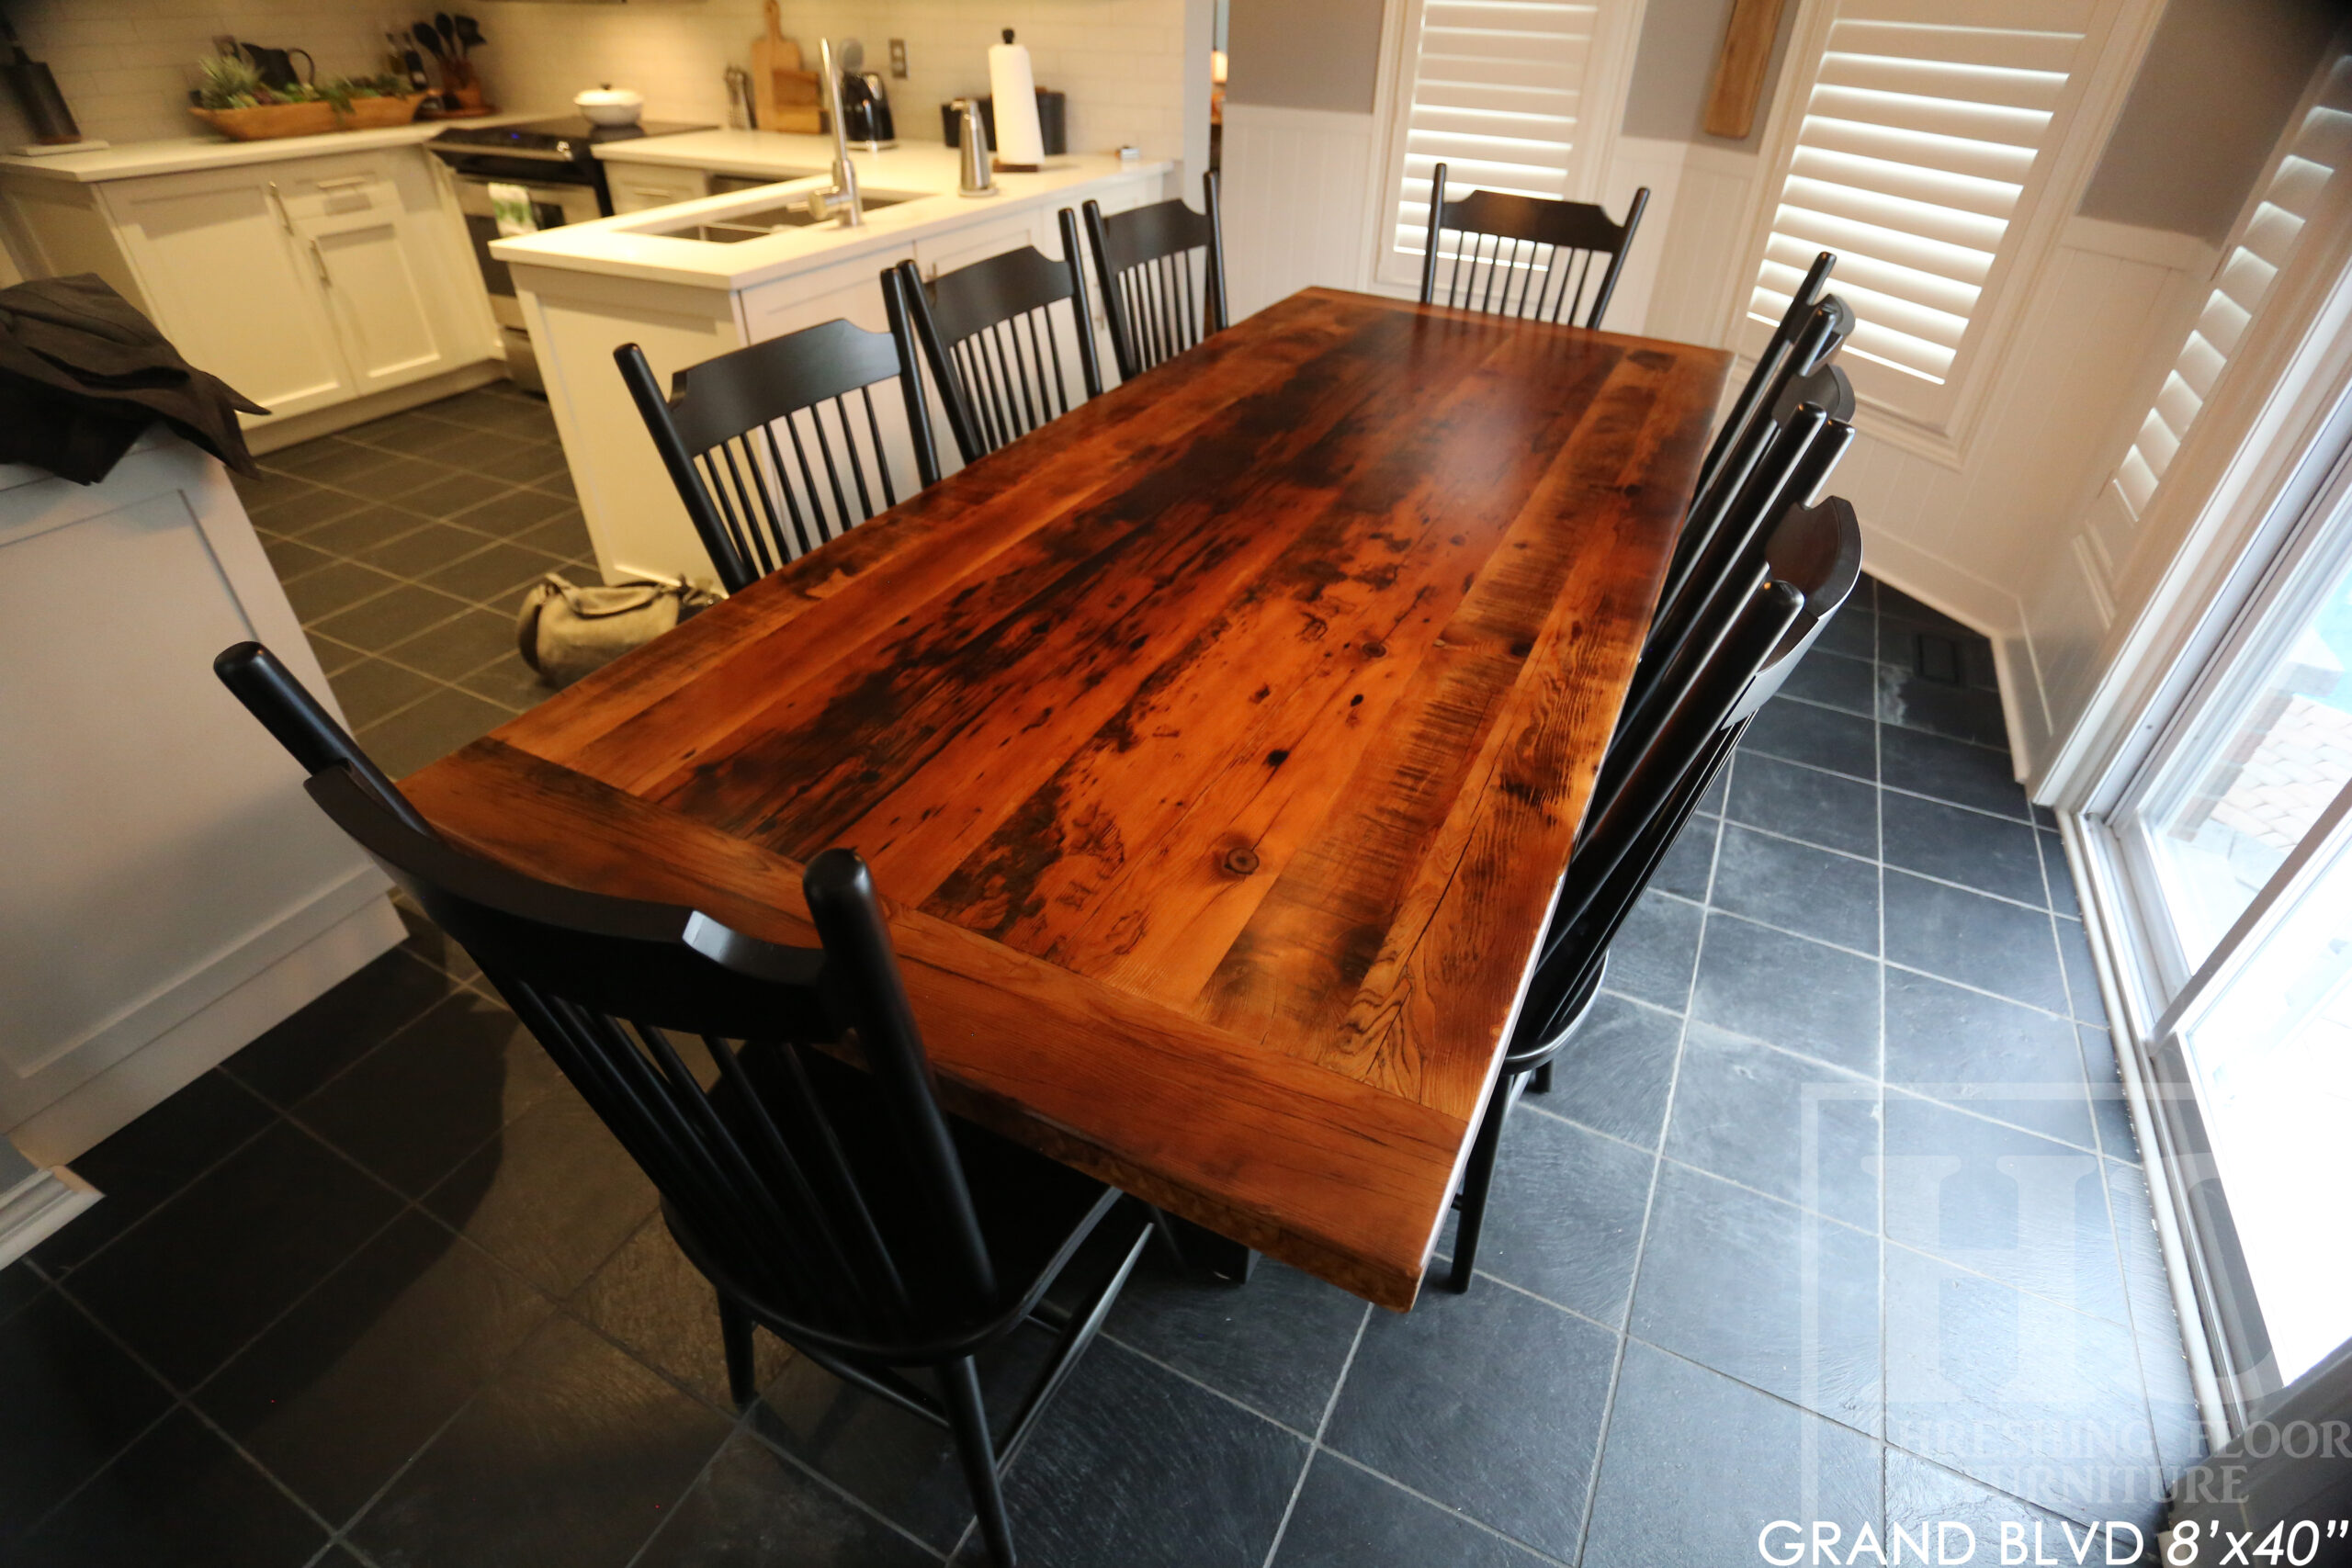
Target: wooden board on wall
column 1740, row 67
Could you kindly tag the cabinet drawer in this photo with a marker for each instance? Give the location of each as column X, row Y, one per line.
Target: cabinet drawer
column 640, row 188
column 317, row 189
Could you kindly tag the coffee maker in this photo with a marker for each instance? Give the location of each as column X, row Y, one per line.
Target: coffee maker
column 866, row 121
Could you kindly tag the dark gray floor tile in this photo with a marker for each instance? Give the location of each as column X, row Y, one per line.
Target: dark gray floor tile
column 268, row 490
column 754, row 1508
column 485, row 451
column 1276, row 1344
column 2029, row 1212
column 1616, row 1070
column 331, row 655
column 1834, row 680
column 239, row 1245
column 511, row 513
column 180, row 1498
column 1348, row 1518
column 1760, row 1116
column 430, row 730
column 74, row 1401
column 509, row 682
column 2018, row 1392
column 1951, row 770
column 433, row 947
column 328, row 460
column 433, row 1093
column 415, row 432
column 337, row 1029
column 659, row 1305
column 565, row 534
column 2082, row 974
column 372, row 690
column 335, row 586
column 1961, row 713
column 1818, row 737
column 428, row 546
column 1489, row 1402
column 392, row 617
column 291, row 558
column 297, row 512
column 1689, row 862
column 19, row 1288
column 1769, row 986
column 1672, row 1491
column 1127, row 1430
column 1992, row 854
column 902, row 1468
column 1815, row 893
column 494, row 575
column 402, row 477
column 456, row 648
column 2058, row 875
column 1796, row 802
column 573, row 1455
column 363, row 530
column 552, row 1196
column 1921, row 1496
column 1995, row 1057
column 1976, row 939
column 1564, row 1217
column 451, row 492
column 1711, row 803
column 337, row 1395
column 1765, row 1292
column 2164, row 1364
column 1651, row 954
column 148, row 1161
column 2111, row 1107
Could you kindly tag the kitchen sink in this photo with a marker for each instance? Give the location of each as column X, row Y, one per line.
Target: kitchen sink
column 766, row 221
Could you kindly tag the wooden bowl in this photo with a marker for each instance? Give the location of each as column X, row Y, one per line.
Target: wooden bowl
column 269, row 121
column 374, row 114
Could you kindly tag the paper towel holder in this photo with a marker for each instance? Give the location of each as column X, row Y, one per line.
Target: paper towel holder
column 997, row 162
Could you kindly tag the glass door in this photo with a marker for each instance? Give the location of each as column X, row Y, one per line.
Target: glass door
column 2235, row 844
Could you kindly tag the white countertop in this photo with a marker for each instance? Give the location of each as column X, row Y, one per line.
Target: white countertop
column 924, row 174
column 181, row 154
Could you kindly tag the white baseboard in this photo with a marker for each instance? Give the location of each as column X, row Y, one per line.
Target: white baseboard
column 280, row 433
column 114, row 1098
column 38, row 1208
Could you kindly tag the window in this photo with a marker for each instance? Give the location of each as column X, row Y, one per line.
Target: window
column 1512, row 96
column 2320, row 145
column 1921, row 142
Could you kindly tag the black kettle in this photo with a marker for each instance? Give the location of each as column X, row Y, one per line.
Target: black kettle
column 276, row 66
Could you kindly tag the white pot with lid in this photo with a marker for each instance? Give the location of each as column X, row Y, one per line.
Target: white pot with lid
column 608, row 105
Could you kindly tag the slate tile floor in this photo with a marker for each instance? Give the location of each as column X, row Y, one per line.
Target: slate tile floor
column 1831, row 1213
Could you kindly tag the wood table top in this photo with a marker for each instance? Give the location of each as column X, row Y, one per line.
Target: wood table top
column 1217, row 750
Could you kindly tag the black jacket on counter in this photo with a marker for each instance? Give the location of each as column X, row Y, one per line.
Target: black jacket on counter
column 83, row 375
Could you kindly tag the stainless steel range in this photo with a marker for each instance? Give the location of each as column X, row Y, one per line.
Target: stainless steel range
column 517, row 180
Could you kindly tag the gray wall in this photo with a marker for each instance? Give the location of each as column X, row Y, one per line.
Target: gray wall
column 1304, row 54
column 1667, row 97
column 2213, row 94
column 1325, row 54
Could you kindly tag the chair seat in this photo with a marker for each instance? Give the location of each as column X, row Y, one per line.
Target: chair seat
column 1033, row 1211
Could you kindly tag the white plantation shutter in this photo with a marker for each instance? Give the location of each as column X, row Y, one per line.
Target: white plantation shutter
column 1502, row 92
column 2319, row 147
column 1921, row 132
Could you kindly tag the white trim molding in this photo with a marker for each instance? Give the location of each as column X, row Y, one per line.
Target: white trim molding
column 39, row 1207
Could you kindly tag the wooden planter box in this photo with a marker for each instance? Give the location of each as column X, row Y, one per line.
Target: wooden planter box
column 269, row 120
column 374, row 114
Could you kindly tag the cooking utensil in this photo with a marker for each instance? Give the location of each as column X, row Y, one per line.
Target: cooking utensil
column 448, row 29
column 784, row 95
column 422, row 32
column 609, row 105
column 470, row 34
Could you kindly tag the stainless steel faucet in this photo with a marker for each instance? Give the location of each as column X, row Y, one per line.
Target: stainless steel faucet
column 841, row 200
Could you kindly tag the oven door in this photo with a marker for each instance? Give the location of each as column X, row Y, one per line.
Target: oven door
column 553, row 204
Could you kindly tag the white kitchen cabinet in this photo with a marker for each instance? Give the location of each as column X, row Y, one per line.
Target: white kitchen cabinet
column 640, row 188
column 305, row 283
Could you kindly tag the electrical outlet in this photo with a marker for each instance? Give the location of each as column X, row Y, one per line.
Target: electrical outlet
column 899, row 57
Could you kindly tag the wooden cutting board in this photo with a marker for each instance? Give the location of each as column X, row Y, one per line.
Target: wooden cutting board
column 785, row 95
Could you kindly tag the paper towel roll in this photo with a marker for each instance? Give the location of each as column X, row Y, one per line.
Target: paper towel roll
column 1020, row 143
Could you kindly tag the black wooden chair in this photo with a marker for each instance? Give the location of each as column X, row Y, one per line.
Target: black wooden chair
column 777, row 448
column 1815, row 326
column 816, row 1182
column 988, row 331
column 1144, row 261
column 1552, row 247
column 1651, row 781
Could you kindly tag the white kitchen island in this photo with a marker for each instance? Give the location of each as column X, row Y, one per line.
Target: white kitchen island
column 644, row 277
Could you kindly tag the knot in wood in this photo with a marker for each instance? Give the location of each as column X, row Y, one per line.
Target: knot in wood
column 1241, row 860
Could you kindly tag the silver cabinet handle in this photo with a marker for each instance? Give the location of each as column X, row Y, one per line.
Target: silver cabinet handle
column 284, row 220
column 319, row 260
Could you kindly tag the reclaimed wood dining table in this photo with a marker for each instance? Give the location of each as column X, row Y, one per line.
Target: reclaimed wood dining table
column 1217, row 750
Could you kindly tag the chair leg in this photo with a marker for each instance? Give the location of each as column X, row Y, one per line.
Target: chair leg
column 1475, row 1181
column 735, row 1330
column 961, row 1380
column 1541, row 1083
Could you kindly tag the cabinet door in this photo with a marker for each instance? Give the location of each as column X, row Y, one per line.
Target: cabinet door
column 373, row 228
column 231, row 285
column 641, row 187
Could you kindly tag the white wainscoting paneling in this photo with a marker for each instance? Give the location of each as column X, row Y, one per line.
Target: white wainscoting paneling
column 1701, row 269
column 1295, row 194
column 1642, row 161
